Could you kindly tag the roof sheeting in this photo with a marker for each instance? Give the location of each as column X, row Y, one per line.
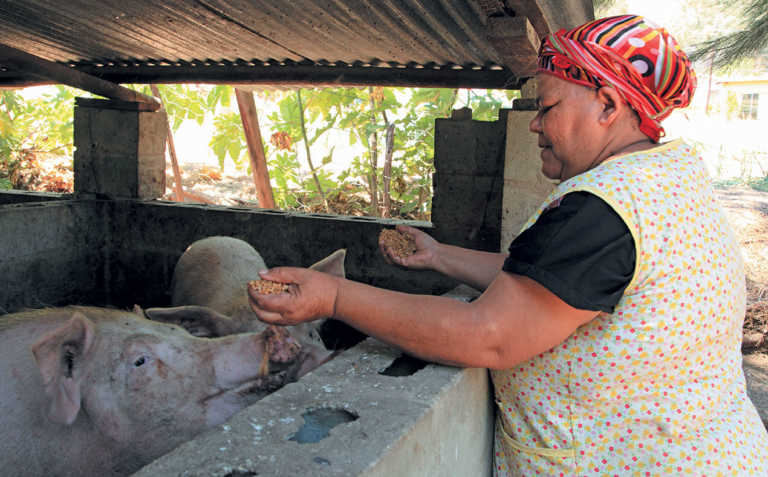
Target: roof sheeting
column 122, row 40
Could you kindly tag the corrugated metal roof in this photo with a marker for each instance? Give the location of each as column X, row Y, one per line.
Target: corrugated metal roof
column 122, row 40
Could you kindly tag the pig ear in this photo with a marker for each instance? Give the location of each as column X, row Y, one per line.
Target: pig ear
column 333, row 263
column 59, row 355
column 199, row 321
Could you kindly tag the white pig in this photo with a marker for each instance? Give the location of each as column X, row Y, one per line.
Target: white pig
column 210, row 296
column 99, row 392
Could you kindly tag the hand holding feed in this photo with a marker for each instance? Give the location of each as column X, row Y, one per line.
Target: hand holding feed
column 289, row 295
column 408, row 247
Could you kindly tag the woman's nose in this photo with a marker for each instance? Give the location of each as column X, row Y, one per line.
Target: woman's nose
column 535, row 125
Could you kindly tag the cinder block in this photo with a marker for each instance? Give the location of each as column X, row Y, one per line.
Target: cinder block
column 466, row 206
column 525, row 187
column 119, row 150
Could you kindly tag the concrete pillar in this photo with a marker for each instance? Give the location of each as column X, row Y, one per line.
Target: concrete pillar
column 119, row 149
column 469, row 158
column 525, row 187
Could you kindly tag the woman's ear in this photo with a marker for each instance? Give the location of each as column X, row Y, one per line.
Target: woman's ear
column 612, row 104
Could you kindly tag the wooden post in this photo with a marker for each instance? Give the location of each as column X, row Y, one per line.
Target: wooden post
column 250, row 119
column 178, row 189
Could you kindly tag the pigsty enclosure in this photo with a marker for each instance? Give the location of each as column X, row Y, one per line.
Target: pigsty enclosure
column 371, row 410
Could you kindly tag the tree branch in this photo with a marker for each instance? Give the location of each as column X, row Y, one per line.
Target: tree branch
column 309, row 157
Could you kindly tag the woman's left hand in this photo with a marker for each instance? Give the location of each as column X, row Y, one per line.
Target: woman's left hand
column 311, row 295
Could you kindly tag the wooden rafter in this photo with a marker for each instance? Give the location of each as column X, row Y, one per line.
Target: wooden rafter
column 49, row 70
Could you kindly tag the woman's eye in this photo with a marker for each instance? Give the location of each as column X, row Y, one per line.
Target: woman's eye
column 140, row 361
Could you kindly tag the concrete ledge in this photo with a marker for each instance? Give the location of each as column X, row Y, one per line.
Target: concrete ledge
column 438, row 421
column 23, row 196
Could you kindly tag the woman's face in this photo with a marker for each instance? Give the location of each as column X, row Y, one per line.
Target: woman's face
column 567, row 127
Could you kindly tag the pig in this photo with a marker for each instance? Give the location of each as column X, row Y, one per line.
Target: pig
column 93, row 391
column 209, row 294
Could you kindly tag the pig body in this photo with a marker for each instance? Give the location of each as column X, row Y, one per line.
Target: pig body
column 213, row 273
column 101, row 392
column 210, row 296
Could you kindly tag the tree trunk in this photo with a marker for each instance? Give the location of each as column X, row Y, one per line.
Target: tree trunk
column 387, row 171
column 258, row 160
column 374, row 152
column 178, row 190
column 422, row 197
column 309, row 157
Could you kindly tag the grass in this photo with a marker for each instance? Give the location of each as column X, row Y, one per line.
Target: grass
column 756, row 184
column 759, row 184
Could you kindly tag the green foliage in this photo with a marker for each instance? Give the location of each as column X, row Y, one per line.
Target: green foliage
column 31, row 127
column 185, row 102
column 283, row 169
column 228, row 139
column 743, row 43
column 485, row 104
column 760, row 184
column 335, row 119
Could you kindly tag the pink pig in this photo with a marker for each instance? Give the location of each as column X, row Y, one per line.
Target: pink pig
column 101, row 392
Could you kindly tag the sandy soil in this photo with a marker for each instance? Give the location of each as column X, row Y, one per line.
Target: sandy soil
column 747, row 211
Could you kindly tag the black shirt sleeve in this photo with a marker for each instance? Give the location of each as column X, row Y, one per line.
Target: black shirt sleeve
column 581, row 251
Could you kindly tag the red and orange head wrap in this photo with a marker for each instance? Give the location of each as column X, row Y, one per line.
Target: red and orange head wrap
column 641, row 61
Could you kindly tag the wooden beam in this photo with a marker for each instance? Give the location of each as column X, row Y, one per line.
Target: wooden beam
column 516, row 42
column 294, row 75
column 532, row 10
column 250, row 119
column 50, row 70
column 177, row 186
column 548, row 16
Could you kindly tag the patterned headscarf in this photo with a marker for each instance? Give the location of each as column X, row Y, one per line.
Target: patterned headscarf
column 640, row 60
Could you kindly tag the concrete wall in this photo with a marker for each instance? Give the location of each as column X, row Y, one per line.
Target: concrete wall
column 123, row 252
column 469, row 162
column 525, row 187
column 149, row 237
column 52, row 253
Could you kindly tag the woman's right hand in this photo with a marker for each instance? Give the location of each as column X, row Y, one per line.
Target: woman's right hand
column 426, row 255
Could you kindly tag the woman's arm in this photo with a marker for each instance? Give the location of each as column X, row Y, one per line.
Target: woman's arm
column 514, row 320
column 473, row 267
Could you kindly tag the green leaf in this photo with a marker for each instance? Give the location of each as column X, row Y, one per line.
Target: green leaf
column 328, row 158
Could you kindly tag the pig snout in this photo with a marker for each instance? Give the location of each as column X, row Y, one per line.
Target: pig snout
column 238, row 359
column 256, row 363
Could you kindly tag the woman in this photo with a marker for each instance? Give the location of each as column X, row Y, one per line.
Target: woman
column 613, row 326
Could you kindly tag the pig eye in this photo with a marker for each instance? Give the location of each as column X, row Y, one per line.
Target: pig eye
column 140, row 361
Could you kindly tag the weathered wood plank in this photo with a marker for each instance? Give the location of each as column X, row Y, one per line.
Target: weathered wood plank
column 515, row 40
column 48, row 69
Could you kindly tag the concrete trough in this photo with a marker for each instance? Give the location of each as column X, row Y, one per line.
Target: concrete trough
column 346, row 418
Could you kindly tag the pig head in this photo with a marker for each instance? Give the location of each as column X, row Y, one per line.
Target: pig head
column 210, row 295
column 103, row 392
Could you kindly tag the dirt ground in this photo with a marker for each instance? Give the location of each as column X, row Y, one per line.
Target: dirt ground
column 747, row 211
